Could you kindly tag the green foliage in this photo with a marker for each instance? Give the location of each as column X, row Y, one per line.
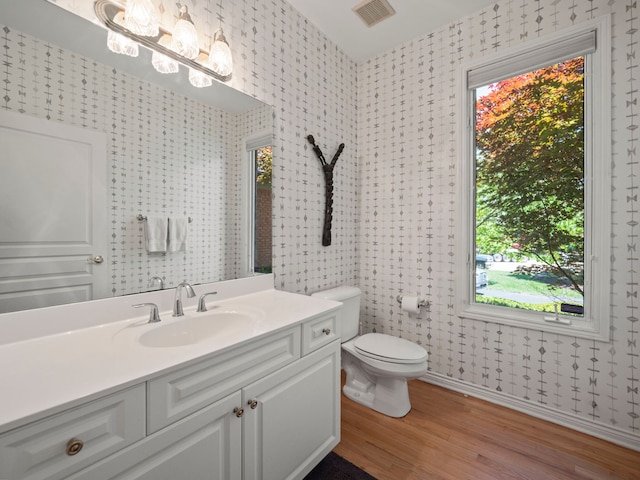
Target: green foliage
column 264, row 166
column 530, row 167
column 263, row 269
column 502, row 302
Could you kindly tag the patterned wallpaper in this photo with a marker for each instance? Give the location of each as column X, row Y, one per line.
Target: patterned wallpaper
column 284, row 60
column 407, row 241
column 395, row 185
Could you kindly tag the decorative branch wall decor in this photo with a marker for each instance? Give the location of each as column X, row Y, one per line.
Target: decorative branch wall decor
column 328, row 188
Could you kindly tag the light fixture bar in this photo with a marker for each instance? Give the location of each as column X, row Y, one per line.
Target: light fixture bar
column 106, row 11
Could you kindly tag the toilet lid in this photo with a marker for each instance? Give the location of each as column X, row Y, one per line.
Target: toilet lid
column 390, row 348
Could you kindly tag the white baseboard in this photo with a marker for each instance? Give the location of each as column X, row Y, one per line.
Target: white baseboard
column 599, row 430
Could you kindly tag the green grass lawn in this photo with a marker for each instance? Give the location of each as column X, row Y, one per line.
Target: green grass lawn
column 512, row 282
column 535, row 307
column 525, row 284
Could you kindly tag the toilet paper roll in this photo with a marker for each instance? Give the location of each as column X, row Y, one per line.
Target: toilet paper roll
column 410, row 304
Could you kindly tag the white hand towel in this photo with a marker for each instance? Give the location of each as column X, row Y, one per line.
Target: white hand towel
column 178, row 234
column 155, row 234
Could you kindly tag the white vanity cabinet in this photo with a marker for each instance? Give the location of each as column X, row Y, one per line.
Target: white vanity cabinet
column 292, row 417
column 266, row 409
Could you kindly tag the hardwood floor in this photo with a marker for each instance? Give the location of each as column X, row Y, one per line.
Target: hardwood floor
column 450, row 436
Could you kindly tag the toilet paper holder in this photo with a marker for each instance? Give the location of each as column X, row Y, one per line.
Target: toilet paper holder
column 421, row 302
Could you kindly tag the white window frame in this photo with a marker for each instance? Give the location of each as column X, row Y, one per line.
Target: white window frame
column 595, row 324
column 252, row 143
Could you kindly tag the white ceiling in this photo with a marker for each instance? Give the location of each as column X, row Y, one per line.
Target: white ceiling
column 413, row 18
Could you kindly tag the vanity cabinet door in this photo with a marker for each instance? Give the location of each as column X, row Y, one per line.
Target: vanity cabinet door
column 203, row 446
column 57, row 446
column 292, row 417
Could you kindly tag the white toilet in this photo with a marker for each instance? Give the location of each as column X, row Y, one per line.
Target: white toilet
column 377, row 365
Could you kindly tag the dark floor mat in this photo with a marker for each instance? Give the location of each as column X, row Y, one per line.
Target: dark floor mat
column 334, row 467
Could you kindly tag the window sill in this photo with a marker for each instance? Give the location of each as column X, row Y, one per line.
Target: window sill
column 579, row 327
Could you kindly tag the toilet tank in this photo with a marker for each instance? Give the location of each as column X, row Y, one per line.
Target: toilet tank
column 350, row 299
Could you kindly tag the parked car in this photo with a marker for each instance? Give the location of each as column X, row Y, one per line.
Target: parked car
column 482, row 263
column 511, row 255
column 482, row 279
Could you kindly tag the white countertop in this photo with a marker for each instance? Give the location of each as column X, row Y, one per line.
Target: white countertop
column 44, row 375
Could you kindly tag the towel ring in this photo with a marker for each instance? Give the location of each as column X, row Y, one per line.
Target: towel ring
column 142, row 218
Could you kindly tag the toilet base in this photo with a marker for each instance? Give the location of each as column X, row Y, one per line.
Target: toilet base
column 385, row 394
column 389, row 396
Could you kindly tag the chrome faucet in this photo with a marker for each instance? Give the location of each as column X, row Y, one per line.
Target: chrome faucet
column 177, row 304
column 156, row 280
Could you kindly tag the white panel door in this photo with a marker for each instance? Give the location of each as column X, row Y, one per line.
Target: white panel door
column 52, row 213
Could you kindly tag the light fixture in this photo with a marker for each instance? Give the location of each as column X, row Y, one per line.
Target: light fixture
column 160, row 61
column 184, row 40
column 199, row 79
column 135, row 23
column 118, row 43
column 220, row 59
column 141, row 18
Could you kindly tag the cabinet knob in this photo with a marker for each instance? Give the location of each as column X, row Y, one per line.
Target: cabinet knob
column 326, row 331
column 74, row 446
column 238, row 411
column 253, row 403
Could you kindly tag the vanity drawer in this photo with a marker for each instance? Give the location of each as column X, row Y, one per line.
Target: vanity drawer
column 320, row 331
column 45, row 449
column 180, row 393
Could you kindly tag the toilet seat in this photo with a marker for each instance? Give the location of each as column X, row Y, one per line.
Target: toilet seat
column 388, row 348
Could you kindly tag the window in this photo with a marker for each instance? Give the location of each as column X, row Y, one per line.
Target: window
column 260, row 154
column 535, row 185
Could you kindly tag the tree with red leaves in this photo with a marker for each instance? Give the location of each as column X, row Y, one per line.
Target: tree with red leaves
column 530, row 167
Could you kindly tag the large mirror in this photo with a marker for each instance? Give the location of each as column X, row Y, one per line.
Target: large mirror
column 121, row 143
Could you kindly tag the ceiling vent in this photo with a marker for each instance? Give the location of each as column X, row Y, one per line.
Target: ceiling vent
column 373, row 11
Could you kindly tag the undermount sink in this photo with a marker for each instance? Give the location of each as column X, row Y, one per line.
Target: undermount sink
column 199, row 328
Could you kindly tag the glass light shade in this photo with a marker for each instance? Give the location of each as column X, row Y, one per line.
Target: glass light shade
column 120, row 44
column 199, row 79
column 140, row 17
column 220, row 60
column 184, row 39
column 164, row 64
column 161, row 62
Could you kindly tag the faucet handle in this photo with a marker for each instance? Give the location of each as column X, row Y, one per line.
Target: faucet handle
column 202, row 307
column 154, row 316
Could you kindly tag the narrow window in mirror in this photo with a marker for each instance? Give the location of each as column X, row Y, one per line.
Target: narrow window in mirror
column 261, row 163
